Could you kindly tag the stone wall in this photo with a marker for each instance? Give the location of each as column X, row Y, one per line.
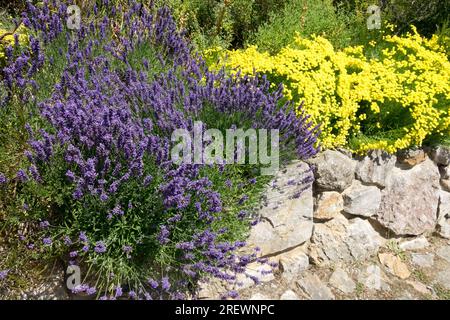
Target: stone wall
column 356, row 202
column 354, row 207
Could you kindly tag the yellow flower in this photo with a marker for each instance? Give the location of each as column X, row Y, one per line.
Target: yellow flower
column 404, row 93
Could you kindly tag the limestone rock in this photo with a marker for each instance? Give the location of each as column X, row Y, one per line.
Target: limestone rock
column 444, row 253
column 328, row 205
column 418, row 286
column 343, row 240
column 441, row 155
column 394, row 265
column 289, row 295
column 287, row 214
column 211, row 289
column 411, row 157
column 333, row 170
column 314, row 288
column 375, row 167
column 443, row 228
column 443, row 278
column 361, row 200
column 424, row 260
column 372, row 278
column 444, row 204
column 410, row 200
column 415, row 244
column 293, row 263
column 341, row 281
column 262, row 272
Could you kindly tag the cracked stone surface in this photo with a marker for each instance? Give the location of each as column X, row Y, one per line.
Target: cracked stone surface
column 287, row 215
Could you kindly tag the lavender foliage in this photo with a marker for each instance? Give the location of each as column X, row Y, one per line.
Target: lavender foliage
column 102, row 155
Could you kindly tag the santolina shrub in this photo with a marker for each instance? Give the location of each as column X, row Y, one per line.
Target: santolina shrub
column 99, row 189
column 390, row 101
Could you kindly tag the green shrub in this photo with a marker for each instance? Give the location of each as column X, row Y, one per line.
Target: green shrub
column 308, row 17
column 222, row 23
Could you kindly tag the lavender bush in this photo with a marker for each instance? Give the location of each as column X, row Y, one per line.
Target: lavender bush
column 96, row 184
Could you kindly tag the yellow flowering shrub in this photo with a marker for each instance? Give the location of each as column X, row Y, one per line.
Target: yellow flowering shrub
column 8, row 40
column 389, row 101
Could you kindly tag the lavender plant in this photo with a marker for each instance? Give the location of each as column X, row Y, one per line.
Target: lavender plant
column 96, row 183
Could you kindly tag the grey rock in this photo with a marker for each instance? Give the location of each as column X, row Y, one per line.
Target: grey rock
column 287, row 215
column 375, row 167
column 372, row 278
column 443, row 225
column 415, row 244
column 443, row 278
column 289, row 295
column 263, row 272
column 341, row 281
column 410, row 200
column 328, row 205
column 314, row 288
column 341, row 240
column 293, row 263
column 333, row 170
column 441, row 155
column 361, row 200
column 425, row 260
column 444, row 204
column 418, row 286
column 443, row 228
column 211, row 289
column 444, row 253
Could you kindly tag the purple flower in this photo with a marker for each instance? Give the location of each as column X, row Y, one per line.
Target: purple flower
column 165, row 284
column 47, row 241
column 91, row 291
column 73, row 254
column 153, row 284
column 147, row 180
column 70, row 175
column 67, row 241
column 3, row 274
column 22, row 176
column 118, row 292
column 127, row 249
column 3, row 179
column 100, row 247
column 243, row 199
column 242, row 214
column 117, row 211
column 83, row 237
column 163, row 236
column 44, row 224
column 85, row 248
